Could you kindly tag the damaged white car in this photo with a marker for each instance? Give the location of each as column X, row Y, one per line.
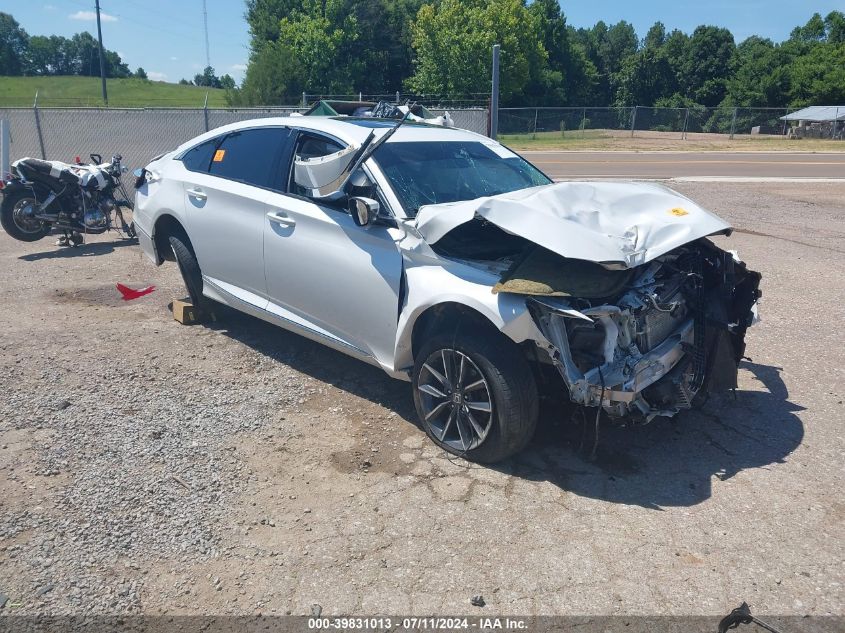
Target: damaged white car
column 449, row 261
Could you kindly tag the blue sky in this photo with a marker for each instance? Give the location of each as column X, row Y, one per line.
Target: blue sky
column 166, row 36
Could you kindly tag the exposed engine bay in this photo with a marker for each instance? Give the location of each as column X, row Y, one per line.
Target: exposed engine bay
column 645, row 342
column 674, row 332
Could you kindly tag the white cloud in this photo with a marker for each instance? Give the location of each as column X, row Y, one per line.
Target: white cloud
column 49, row 7
column 174, row 59
column 240, row 67
column 154, row 76
column 90, row 16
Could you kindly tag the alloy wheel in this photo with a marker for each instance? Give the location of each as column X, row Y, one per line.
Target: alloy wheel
column 456, row 400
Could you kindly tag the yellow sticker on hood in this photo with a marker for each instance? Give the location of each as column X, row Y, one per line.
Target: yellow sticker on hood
column 679, row 212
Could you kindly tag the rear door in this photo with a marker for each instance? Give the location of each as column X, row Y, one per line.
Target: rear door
column 325, row 273
column 226, row 184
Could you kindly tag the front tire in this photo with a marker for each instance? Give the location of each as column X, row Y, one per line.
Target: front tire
column 475, row 395
column 16, row 216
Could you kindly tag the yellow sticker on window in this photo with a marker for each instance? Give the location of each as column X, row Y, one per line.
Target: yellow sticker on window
column 679, row 212
column 219, row 154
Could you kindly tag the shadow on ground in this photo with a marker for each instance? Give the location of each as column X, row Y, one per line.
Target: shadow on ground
column 85, row 250
column 670, row 462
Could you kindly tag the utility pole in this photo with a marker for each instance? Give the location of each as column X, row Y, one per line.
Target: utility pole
column 205, row 24
column 494, row 97
column 102, row 57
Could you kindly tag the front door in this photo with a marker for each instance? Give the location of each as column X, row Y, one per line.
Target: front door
column 326, row 273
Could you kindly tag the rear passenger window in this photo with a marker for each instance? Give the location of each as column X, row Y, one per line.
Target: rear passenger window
column 199, row 158
column 251, row 156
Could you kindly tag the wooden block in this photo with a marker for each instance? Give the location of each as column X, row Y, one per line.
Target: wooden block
column 185, row 312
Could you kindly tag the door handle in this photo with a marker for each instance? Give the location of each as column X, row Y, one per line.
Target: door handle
column 197, row 193
column 278, row 217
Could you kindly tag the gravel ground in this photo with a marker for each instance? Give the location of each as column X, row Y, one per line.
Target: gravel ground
column 149, row 467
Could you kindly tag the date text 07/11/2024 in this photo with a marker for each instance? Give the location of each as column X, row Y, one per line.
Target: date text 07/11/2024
column 417, row 623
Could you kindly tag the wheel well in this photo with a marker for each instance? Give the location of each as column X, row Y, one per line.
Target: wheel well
column 165, row 227
column 449, row 317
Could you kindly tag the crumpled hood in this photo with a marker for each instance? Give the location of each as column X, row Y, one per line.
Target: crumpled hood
column 603, row 222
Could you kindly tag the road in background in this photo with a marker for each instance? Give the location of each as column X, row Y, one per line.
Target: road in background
column 687, row 165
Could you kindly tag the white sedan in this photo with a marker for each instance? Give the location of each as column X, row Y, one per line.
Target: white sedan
column 448, row 260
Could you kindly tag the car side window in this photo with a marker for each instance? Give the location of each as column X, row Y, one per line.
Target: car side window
column 251, row 156
column 308, row 146
column 199, row 158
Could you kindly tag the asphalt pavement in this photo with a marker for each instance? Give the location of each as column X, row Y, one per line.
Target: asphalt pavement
column 689, row 165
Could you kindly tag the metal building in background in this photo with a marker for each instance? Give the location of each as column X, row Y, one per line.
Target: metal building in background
column 817, row 122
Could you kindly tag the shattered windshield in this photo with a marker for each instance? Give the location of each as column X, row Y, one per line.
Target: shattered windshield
column 432, row 172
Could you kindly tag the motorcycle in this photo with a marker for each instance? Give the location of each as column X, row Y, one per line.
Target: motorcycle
column 41, row 195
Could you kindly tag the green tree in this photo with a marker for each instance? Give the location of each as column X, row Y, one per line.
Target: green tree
column 227, row 82
column 656, row 36
column 14, row 43
column 834, row 25
column 453, row 42
column 813, row 31
column 819, row 76
column 207, row 79
column 140, row 73
column 263, row 17
column 760, row 75
column 645, row 77
column 706, row 65
column 607, row 47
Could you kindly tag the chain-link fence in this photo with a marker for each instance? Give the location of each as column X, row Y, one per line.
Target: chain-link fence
column 675, row 123
column 140, row 134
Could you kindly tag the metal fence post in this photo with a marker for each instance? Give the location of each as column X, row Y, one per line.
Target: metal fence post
column 835, row 124
column 205, row 111
column 536, row 112
column 38, row 127
column 304, row 99
column 733, row 123
column 686, row 122
column 584, row 123
column 4, row 148
column 634, row 120
column 494, row 94
column 397, row 97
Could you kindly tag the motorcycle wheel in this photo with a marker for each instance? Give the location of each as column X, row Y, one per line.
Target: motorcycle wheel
column 17, row 217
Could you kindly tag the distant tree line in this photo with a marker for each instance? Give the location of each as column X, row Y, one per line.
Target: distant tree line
column 442, row 47
column 24, row 54
column 208, row 79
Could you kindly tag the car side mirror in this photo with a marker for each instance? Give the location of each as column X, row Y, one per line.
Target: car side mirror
column 364, row 211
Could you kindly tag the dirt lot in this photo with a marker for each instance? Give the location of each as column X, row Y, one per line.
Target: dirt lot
column 150, row 467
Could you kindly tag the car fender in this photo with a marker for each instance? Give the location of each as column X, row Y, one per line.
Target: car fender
column 429, row 285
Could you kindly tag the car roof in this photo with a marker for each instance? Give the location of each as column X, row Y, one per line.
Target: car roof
column 347, row 129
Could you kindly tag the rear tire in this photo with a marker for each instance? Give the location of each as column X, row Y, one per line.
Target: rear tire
column 190, row 269
column 508, row 384
column 13, row 216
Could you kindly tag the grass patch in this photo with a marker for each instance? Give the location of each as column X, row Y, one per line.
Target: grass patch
column 76, row 91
